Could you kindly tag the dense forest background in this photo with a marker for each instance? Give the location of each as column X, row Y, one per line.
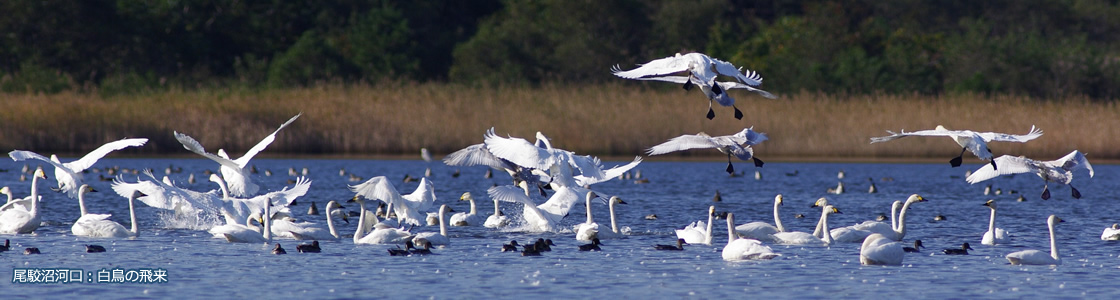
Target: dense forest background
column 1037, row 48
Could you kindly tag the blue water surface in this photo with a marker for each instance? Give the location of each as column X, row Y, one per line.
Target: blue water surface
column 679, row 193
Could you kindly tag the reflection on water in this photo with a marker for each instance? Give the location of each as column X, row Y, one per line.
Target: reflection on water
column 678, row 193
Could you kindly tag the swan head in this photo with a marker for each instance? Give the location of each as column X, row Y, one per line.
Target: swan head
column 778, row 199
column 39, row 172
column 832, row 210
column 591, row 195
column 5, row 190
column 712, row 210
column 616, row 199
column 822, row 201
column 991, row 203
column 466, row 197
column 915, row 198
column 1054, row 220
column 135, row 193
column 215, row 178
column 85, row 188
column 1115, row 226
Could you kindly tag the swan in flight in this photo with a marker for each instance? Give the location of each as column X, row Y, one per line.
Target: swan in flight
column 702, row 70
column 698, row 232
column 20, row 221
column 742, row 248
column 1111, row 233
column 539, row 218
column 542, row 156
column 975, row 142
column 880, row 250
column 467, row 219
column 478, row 154
column 805, row 238
column 407, row 207
column 1035, row 257
column 99, row 225
column 1059, row 171
column 994, row 235
column 69, row 175
column 738, row 144
column 379, row 233
column 235, row 171
column 436, row 238
column 761, row 230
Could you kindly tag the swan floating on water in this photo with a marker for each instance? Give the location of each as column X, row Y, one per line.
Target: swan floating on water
column 235, row 171
column 1035, row 257
column 436, row 238
column 761, row 230
column 805, row 238
column 99, row 225
column 1111, row 233
column 379, row 233
column 994, row 235
column 975, row 142
column 738, row 144
column 69, row 175
column 1058, row 171
column 742, row 248
column 21, row 221
column 309, row 231
column 698, row 232
column 471, row 218
column 407, row 207
column 702, row 71
column 880, row 250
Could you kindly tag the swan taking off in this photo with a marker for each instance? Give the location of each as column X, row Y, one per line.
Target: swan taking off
column 702, row 71
column 975, row 142
column 1059, row 171
column 236, row 172
column 1035, row 257
column 738, row 144
column 69, row 175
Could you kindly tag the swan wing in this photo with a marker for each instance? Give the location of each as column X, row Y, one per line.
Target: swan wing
column 561, row 203
column 509, row 193
column 930, row 132
column 609, row 173
column 727, row 69
column 285, row 196
column 422, row 198
column 192, row 145
column 518, row 151
column 656, row 68
column 1003, row 137
column 750, row 137
column 1007, row 165
column 474, row 155
column 1073, row 161
column 87, row 161
column 244, row 160
column 684, row 142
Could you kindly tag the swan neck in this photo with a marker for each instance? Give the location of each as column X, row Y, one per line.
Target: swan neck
column 358, row 233
column 614, row 226
column 268, row 221
column 330, row 223
column 894, row 215
column 589, row 219
column 708, row 232
column 131, row 213
column 992, row 223
column 225, row 190
column 10, row 196
column 901, row 230
column 730, row 229
column 778, row 217
column 34, row 195
column 496, row 210
column 81, row 202
column 819, row 229
column 473, row 208
column 827, row 236
column 442, row 224
column 1053, row 243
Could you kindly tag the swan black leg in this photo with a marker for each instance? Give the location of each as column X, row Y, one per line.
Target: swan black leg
column 730, row 168
column 994, row 164
column 1046, row 192
column 738, row 114
column 711, row 113
column 757, row 162
column 956, row 161
column 1076, row 194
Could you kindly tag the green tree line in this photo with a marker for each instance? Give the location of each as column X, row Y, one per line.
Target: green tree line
column 1038, row 48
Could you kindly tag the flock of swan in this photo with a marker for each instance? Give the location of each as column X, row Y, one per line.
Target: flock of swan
column 242, row 214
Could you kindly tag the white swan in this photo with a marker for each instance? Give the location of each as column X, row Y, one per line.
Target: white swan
column 234, row 209
column 99, row 225
column 587, row 230
column 1111, row 233
column 235, row 233
column 615, row 232
column 710, row 90
column 20, row 221
column 545, row 217
column 899, row 231
column 235, row 171
column 994, row 235
column 196, row 209
column 378, row 233
column 867, row 225
column 283, row 228
column 880, row 250
column 761, row 230
column 698, row 232
column 1035, row 257
column 1059, row 171
column 467, row 219
column 436, row 238
column 69, row 175
column 975, row 142
column 744, row 249
column 805, row 238
column 701, row 70
column 497, row 220
column 407, row 207
column 479, row 154
column 738, row 144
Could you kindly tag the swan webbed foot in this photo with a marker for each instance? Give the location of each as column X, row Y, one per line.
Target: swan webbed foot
column 1076, row 194
column 711, row 113
column 758, row 162
column 730, row 168
column 1046, row 193
column 956, row 162
column 687, row 84
column 738, row 113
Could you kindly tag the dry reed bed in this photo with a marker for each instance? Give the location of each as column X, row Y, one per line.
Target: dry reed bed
column 615, row 119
